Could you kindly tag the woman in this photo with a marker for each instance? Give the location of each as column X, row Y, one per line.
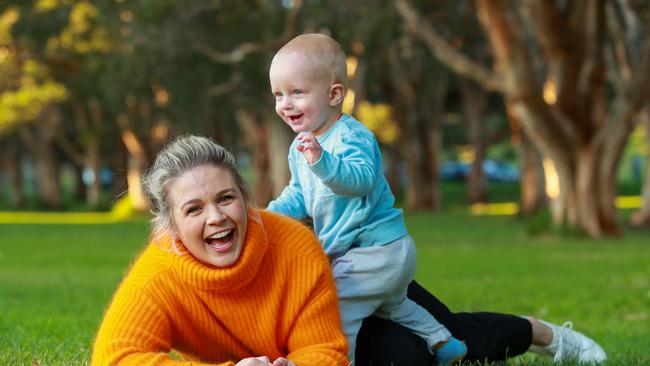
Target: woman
column 220, row 282
column 489, row 337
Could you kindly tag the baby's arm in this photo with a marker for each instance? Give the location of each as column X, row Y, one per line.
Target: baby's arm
column 352, row 171
column 291, row 201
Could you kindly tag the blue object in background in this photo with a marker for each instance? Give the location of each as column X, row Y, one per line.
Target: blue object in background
column 496, row 171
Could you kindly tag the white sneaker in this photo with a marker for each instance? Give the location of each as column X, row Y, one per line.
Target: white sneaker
column 569, row 344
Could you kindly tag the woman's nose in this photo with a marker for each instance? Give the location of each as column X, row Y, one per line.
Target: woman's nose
column 215, row 216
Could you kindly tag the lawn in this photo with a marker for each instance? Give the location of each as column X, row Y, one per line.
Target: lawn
column 55, row 281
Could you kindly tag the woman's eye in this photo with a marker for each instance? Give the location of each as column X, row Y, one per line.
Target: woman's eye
column 192, row 210
column 226, row 199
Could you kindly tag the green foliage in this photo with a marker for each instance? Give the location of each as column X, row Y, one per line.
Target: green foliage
column 27, row 102
column 55, row 282
column 26, row 87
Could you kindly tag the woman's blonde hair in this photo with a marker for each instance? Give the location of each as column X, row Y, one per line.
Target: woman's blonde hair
column 177, row 157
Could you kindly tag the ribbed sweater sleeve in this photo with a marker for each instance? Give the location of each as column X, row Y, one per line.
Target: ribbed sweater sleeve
column 278, row 300
column 135, row 329
column 313, row 333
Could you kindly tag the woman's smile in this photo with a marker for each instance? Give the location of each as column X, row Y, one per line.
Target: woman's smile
column 222, row 241
column 209, row 214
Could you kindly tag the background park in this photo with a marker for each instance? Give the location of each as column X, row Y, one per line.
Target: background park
column 515, row 135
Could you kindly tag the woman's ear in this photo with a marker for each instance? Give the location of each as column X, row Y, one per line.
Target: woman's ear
column 171, row 231
column 176, row 241
column 337, row 94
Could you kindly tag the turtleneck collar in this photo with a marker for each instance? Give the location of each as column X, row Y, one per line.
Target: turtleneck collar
column 208, row 277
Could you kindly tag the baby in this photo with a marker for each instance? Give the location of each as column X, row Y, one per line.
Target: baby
column 337, row 179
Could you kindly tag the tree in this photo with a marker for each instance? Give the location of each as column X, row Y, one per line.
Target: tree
column 581, row 110
column 28, row 96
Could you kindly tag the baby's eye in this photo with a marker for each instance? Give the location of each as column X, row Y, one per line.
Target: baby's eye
column 296, row 91
column 277, row 95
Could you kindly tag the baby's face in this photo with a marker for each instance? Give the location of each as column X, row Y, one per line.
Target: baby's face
column 302, row 97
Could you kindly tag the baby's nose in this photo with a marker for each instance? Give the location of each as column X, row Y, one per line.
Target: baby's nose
column 286, row 103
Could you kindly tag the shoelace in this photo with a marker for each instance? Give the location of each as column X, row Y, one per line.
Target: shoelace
column 565, row 329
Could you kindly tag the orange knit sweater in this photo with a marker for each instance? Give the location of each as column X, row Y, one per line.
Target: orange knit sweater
column 278, row 300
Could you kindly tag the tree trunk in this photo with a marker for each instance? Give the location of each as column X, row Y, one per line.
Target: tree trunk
column 278, row 145
column 418, row 114
column 533, row 195
column 574, row 129
column 256, row 136
column 79, row 184
column 394, row 173
column 118, row 161
column 415, row 150
column 474, row 104
column 92, row 163
column 41, row 147
column 136, row 164
column 583, row 50
column 12, row 160
column 92, row 146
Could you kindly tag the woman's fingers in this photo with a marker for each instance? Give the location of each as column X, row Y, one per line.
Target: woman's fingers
column 281, row 361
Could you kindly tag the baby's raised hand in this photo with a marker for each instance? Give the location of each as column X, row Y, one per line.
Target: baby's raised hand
column 309, row 147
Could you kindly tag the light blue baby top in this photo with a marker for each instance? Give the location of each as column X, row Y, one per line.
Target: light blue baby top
column 345, row 191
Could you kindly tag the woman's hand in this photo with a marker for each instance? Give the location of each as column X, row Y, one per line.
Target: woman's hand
column 255, row 361
column 281, row 361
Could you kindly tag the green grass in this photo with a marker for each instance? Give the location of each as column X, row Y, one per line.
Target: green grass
column 55, row 281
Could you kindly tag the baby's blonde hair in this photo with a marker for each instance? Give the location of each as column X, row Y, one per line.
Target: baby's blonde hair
column 325, row 54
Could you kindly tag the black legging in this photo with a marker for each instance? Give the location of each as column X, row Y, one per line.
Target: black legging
column 489, row 336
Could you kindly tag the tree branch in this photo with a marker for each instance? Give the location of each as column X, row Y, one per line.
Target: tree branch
column 620, row 63
column 548, row 26
column 547, row 127
column 240, row 52
column 227, row 87
column 443, row 51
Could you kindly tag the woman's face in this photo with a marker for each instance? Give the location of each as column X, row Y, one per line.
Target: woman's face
column 209, row 214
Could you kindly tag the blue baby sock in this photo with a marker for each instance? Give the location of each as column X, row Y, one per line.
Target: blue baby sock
column 451, row 352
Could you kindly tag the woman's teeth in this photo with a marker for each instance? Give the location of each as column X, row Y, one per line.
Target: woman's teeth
column 219, row 235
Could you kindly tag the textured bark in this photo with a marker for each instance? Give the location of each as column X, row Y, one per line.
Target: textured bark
column 533, row 195
column 579, row 131
column 582, row 134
